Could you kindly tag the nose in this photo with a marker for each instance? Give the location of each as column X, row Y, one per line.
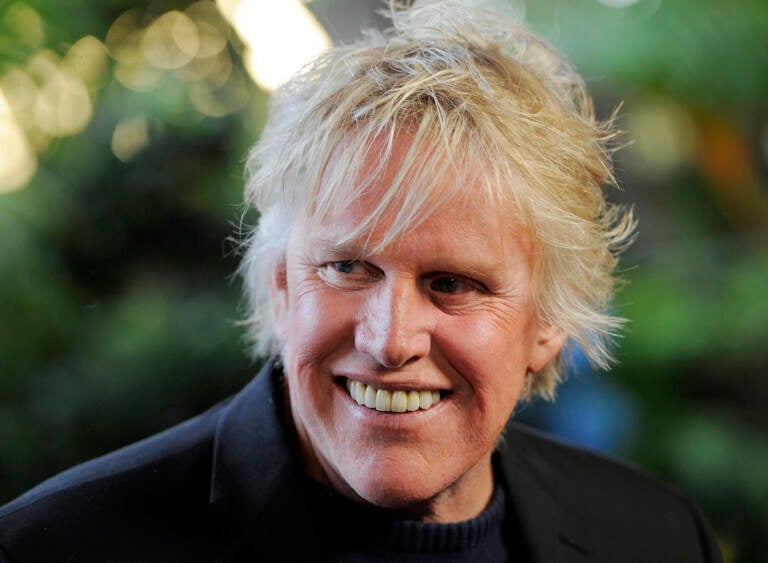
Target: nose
column 394, row 324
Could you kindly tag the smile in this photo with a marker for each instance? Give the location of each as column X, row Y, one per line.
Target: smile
column 391, row 401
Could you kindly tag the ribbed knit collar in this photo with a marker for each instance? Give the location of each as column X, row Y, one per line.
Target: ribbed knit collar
column 371, row 528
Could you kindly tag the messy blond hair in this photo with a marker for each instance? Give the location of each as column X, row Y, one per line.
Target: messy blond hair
column 480, row 94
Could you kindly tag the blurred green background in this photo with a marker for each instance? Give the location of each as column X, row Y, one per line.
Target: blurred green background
column 123, row 130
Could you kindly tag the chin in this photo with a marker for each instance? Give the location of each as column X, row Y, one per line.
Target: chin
column 396, row 486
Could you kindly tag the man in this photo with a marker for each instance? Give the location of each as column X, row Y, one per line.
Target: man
column 433, row 231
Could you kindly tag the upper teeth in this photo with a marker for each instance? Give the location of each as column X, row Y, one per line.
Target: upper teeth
column 391, row 401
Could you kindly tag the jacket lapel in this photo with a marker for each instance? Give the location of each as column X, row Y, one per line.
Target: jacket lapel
column 257, row 479
column 552, row 530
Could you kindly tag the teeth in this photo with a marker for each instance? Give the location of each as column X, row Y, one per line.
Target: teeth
column 399, row 401
column 358, row 392
column 383, row 400
column 391, row 401
column 370, row 397
column 413, row 401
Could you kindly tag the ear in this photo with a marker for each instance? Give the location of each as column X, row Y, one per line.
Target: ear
column 549, row 340
column 278, row 293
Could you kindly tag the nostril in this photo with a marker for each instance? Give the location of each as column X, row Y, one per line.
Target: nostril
column 394, row 361
column 393, row 328
column 393, row 349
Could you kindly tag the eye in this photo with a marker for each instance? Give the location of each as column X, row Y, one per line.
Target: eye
column 348, row 267
column 348, row 274
column 449, row 284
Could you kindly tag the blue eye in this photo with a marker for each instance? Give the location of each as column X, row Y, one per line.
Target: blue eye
column 345, row 266
column 448, row 284
column 348, row 274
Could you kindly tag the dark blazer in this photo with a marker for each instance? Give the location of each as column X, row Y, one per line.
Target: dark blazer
column 226, row 486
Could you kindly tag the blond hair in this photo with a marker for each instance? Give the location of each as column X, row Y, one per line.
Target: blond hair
column 474, row 87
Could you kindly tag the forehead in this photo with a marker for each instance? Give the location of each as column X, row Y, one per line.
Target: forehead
column 468, row 235
column 380, row 191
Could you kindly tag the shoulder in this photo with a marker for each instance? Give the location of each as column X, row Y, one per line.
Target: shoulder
column 568, row 466
column 160, row 456
column 146, row 488
column 625, row 509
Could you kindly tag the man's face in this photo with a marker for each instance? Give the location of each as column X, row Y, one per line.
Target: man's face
column 444, row 311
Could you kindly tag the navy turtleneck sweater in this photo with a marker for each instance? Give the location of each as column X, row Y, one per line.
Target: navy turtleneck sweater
column 357, row 533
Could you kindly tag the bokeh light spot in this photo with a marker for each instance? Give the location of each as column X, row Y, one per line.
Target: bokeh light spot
column 20, row 95
column 124, row 36
column 215, row 70
column 171, row 41
column 63, row 106
column 137, row 76
column 130, row 137
column 664, row 135
column 27, row 25
column 213, row 31
column 220, row 101
column 17, row 161
column 280, row 37
column 87, row 58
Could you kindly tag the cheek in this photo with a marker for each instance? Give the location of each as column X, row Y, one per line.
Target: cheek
column 483, row 344
column 320, row 322
column 491, row 360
